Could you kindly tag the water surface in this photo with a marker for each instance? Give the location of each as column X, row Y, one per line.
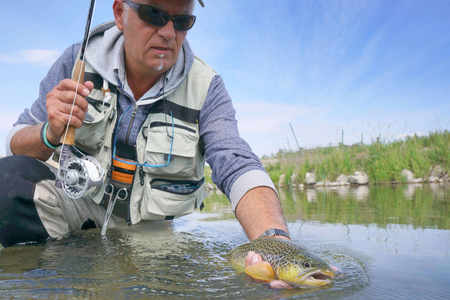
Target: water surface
column 390, row 242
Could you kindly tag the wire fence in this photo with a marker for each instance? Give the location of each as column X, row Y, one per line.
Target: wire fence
column 294, row 138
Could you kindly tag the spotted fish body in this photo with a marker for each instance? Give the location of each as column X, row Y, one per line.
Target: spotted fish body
column 288, row 261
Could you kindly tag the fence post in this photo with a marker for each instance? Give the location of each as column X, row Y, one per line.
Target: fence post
column 294, row 136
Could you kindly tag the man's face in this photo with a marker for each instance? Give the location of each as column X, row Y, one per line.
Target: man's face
column 151, row 50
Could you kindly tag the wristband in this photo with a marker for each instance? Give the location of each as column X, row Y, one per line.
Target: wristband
column 44, row 138
column 271, row 232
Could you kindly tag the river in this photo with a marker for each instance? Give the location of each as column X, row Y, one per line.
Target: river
column 391, row 242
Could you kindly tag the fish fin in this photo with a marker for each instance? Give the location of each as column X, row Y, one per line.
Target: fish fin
column 262, row 271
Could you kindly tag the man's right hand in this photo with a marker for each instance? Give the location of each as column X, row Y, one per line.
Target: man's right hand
column 59, row 105
column 27, row 141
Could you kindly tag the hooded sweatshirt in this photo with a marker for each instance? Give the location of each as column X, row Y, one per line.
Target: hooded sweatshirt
column 235, row 168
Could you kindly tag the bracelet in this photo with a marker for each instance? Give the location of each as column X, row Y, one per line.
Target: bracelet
column 271, row 232
column 44, row 138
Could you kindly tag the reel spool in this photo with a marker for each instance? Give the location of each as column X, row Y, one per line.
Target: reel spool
column 81, row 177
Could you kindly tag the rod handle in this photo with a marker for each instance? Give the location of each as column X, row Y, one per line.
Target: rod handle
column 78, row 76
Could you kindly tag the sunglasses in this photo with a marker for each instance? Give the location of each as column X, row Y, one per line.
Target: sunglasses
column 156, row 17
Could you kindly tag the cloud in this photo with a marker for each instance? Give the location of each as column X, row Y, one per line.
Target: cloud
column 31, row 56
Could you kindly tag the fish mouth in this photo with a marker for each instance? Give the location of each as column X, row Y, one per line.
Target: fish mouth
column 315, row 278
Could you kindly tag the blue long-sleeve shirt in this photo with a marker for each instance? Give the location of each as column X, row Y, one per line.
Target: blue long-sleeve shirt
column 235, row 168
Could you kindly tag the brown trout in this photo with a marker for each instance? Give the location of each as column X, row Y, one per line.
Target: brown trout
column 288, row 262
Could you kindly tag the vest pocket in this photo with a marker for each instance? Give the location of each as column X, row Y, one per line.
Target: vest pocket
column 168, row 198
column 180, row 146
column 93, row 134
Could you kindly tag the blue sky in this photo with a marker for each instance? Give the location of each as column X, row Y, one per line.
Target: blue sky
column 370, row 67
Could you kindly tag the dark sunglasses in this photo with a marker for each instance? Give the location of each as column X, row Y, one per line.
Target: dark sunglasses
column 156, row 17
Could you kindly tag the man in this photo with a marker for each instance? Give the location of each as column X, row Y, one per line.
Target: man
column 162, row 98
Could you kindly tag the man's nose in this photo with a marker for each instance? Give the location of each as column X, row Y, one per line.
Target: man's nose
column 167, row 31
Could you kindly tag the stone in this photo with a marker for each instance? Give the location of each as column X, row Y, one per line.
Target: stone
column 433, row 179
column 210, row 186
column 342, row 180
column 294, row 179
column 282, row 181
column 358, row 178
column 437, row 171
column 408, row 175
column 310, row 178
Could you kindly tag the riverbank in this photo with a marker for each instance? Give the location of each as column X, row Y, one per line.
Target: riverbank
column 415, row 159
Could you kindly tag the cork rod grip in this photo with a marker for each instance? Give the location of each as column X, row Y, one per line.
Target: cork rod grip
column 78, row 76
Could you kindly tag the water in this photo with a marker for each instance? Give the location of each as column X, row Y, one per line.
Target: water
column 390, row 242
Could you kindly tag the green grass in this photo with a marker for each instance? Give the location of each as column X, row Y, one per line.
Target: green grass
column 383, row 162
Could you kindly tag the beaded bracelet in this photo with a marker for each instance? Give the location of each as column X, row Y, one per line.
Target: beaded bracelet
column 44, row 137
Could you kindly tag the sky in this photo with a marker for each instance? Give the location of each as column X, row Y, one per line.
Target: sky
column 301, row 73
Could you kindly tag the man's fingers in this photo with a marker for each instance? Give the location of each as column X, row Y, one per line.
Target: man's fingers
column 89, row 85
column 252, row 258
column 72, row 85
column 280, row 284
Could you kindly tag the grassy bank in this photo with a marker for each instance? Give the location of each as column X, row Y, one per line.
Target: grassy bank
column 383, row 162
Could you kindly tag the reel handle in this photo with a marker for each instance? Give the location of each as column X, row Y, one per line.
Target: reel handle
column 78, row 76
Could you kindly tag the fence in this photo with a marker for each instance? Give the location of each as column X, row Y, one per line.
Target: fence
column 293, row 138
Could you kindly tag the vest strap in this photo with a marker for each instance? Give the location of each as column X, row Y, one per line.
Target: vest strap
column 180, row 112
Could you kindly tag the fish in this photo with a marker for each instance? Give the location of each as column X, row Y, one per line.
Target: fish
column 288, row 261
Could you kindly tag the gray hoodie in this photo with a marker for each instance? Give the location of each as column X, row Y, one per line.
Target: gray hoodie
column 235, row 168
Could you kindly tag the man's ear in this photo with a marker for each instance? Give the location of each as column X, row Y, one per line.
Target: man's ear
column 119, row 13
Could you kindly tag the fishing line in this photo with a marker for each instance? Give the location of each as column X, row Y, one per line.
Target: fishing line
column 83, row 59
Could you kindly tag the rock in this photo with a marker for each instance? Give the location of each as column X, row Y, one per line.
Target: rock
column 209, row 186
column 433, row 179
column 437, row 172
column 320, row 183
column 358, row 178
column 294, row 179
column 282, row 181
column 408, row 175
column 310, row 178
column 417, row 180
column 342, row 180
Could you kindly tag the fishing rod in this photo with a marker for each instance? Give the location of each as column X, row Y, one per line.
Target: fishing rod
column 78, row 176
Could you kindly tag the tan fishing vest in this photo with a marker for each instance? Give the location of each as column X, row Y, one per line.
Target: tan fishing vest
column 157, row 193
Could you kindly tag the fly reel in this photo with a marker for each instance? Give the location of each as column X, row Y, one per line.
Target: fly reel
column 81, row 177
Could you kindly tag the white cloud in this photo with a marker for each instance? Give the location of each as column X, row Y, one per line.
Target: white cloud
column 31, row 56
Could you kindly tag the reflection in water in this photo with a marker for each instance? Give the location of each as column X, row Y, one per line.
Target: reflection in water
column 424, row 205
column 390, row 241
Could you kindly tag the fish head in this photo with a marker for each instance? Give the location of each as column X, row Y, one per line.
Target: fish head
column 306, row 271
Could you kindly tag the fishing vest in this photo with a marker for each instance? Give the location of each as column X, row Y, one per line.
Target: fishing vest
column 156, row 193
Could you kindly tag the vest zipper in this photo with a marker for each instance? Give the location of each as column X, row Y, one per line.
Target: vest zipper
column 133, row 115
column 159, row 124
column 141, row 175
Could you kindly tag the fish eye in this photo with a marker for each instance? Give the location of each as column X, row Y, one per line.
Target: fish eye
column 307, row 264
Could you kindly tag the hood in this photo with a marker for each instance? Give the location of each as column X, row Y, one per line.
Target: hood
column 105, row 53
